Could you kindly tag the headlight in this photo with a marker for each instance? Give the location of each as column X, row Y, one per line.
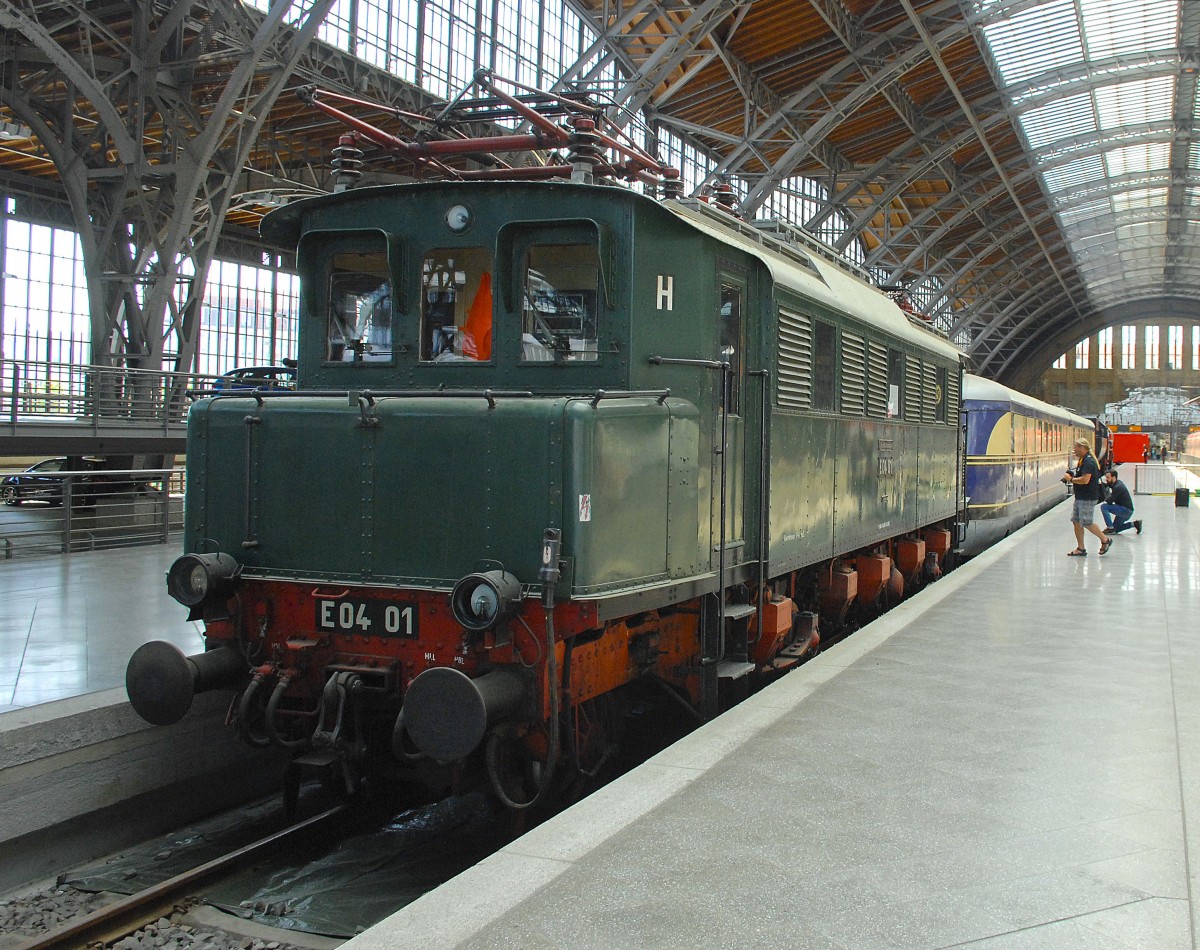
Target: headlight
column 193, row 578
column 484, row 601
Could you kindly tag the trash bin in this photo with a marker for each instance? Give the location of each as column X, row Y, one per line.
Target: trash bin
column 1181, row 497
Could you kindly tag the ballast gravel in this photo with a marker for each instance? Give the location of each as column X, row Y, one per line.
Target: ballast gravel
column 36, row 913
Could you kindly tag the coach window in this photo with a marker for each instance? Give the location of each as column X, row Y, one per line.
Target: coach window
column 895, row 383
column 559, row 307
column 456, row 305
column 824, row 384
column 359, row 327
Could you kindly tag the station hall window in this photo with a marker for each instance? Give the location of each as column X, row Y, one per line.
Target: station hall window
column 456, row 305
column 560, row 305
column 359, row 323
column 1175, row 347
column 1081, row 353
column 1152, row 347
column 1128, row 347
column 824, row 385
column 1104, row 349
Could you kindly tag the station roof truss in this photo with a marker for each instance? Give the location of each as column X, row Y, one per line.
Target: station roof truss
column 1027, row 169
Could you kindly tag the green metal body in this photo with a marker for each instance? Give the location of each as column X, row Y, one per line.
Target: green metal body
column 414, row 487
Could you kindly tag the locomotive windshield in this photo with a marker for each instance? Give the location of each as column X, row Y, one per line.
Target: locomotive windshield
column 360, row 307
column 559, row 307
column 456, row 305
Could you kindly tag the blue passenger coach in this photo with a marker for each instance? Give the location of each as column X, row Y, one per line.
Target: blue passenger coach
column 1017, row 450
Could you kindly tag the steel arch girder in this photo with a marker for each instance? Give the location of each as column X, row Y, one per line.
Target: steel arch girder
column 1017, row 176
column 841, row 105
column 11, row 19
column 996, row 243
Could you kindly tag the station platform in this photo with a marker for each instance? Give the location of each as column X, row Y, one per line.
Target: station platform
column 1010, row 759
column 69, row 624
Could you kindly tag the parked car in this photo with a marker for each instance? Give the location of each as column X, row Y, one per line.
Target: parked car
column 44, row 481
column 257, row 377
column 91, row 476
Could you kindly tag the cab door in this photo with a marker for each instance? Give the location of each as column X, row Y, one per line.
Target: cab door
column 732, row 308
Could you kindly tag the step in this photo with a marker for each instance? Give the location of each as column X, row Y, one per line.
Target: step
column 738, row 611
column 733, row 669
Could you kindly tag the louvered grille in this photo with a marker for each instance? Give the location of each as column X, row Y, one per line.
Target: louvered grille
column 953, row 382
column 877, row 384
column 794, row 385
column 854, row 374
column 929, row 392
column 912, row 389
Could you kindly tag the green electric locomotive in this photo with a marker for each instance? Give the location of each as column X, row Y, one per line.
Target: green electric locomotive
column 571, row 438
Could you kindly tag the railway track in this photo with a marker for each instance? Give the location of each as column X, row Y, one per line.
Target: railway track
column 130, row 914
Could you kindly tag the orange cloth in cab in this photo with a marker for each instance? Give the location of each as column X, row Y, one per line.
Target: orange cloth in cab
column 477, row 340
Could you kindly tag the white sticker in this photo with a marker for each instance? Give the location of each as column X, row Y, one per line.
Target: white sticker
column 585, row 507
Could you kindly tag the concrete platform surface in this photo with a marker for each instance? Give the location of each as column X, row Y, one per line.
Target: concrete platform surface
column 69, row 624
column 1011, row 759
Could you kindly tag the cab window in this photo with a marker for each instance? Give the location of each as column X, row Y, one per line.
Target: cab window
column 360, row 306
column 559, row 304
column 456, row 305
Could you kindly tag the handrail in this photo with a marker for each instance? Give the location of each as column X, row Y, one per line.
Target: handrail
column 79, row 510
column 660, row 395
column 37, row 392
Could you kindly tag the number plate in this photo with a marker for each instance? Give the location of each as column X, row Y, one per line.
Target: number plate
column 367, row 617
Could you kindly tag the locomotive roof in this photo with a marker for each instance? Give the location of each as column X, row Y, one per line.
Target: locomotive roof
column 988, row 390
column 835, row 287
column 805, row 273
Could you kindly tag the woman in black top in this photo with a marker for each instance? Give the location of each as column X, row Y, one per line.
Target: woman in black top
column 1085, row 477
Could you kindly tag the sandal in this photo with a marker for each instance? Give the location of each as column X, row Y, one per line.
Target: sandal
column 1105, row 546
column 1078, row 552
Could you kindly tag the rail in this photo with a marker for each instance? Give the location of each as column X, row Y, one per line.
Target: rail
column 126, row 916
column 57, row 512
column 96, row 396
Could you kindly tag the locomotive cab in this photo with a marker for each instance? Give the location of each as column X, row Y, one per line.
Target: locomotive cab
column 458, row 301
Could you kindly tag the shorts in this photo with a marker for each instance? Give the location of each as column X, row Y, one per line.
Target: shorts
column 1083, row 511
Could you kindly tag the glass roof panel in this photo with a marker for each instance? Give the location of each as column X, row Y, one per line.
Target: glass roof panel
column 1130, row 159
column 1087, row 209
column 1072, row 175
column 1087, row 63
column 1035, row 40
column 1113, row 27
column 1135, row 103
column 1139, row 198
column 1066, row 118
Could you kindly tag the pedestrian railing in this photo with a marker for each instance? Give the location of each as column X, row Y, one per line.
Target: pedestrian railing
column 38, row 392
column 1162, row 478
column 91, row 510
